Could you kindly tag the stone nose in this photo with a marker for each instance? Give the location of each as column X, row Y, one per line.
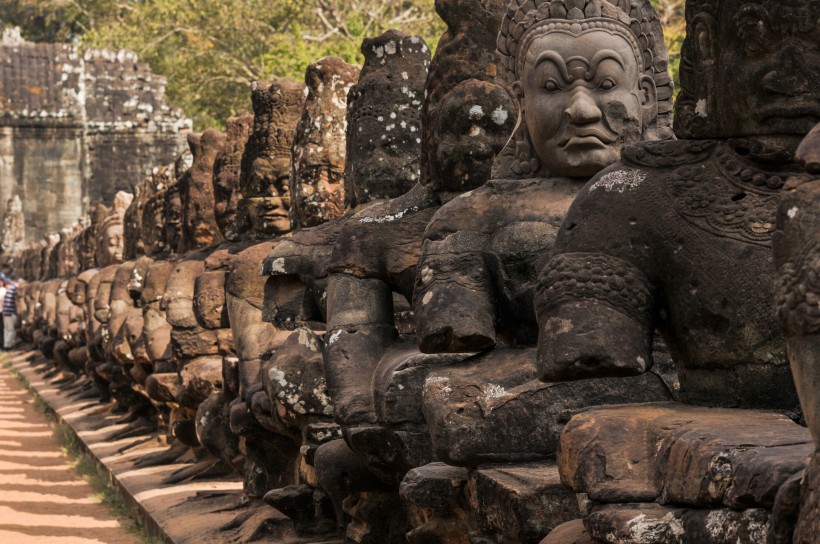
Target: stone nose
column 582, row 108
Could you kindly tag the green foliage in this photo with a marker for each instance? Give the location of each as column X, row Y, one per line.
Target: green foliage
column 674, row 30
column 212, row 50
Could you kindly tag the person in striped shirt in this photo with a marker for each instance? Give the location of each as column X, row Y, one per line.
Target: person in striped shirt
column 10, row 315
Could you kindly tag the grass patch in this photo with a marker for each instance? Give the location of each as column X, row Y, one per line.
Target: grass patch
column 100, row 480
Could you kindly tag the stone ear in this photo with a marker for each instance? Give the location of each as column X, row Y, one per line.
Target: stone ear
column 649, row 101
column 518, row 94
column 704, row 30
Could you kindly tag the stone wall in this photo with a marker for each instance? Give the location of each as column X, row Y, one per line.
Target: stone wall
column 75, row 128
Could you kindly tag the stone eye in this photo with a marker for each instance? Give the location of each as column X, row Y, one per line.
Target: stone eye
column 551, row 85
column 607, row 84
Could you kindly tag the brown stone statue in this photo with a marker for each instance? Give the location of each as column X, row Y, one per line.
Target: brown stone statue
column 585, row 92
column 797, row 258
column 622, row 267
column 678, row 236
column 14, row 227
column 382, row 162
column 370, row 275
column 110, row 232
column 227, row 171
column 262, row 197
column 196, row 192
column 317, row 169
column 271, row 448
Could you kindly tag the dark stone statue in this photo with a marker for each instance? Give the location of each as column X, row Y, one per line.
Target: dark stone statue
column 655, row 241
column 797, row 258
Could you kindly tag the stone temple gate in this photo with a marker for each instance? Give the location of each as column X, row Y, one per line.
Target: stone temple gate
column 76, row 127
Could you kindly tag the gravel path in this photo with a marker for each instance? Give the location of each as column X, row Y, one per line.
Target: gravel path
column 42, row 499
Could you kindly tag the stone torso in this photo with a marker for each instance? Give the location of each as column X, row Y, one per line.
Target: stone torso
column 696, row 219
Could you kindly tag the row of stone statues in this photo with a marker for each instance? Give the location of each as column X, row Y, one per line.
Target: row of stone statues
column 390, row 295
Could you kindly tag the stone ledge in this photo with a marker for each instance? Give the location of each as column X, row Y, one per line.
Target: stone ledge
column 202, row 511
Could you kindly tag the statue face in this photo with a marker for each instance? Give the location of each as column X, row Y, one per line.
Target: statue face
column 269, row 215
column 113, row 242
column 209, row 300
column 768, row 68
column 471, row 123
column 173, row 219
column 582, row 100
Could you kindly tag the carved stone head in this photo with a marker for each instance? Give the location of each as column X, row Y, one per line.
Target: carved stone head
column 152, row 226
column 384, row 119
column 266, row 161
column 227, row 172
column 467, row 105
column 110, row 232
column 590, row 77
column 749, row 68
column 196, row 191
column 317, row 175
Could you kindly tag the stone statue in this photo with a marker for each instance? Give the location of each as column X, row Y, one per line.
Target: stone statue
column 622, row 267
column 110, row 239
column 585, row 92
column 317, row 169
column 373, row 265
column 382, row 141
column 378, row 250
column 227, row 172
column 197, row 192
column 266, row 160
column 273, row 456
column 14, row 227
column 796, row 245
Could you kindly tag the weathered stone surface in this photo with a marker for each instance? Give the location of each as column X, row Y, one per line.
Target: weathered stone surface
column 227, row 171
column 796, row 245
column 266, row 161
column 465, row 404
column 317, row 175
column 384, row 119
column 14, row 226
column 676, row 218
column 196, row 188
column 520, row 503
column 571, row 532
column 673, row 453
column 654, row 524
column 78, row 127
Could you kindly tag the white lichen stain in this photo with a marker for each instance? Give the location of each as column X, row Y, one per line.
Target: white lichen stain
column 619, row 181
column 388, row 218
column 428, row 296
column 476, row 112
column 426, row 274
column 792, row 213
column 492, row 391
column 700, row 108
column 278, row 265
column 650, row 531
column 500, row 115
column 308, row 341
column 333, row 337
column 439, row 382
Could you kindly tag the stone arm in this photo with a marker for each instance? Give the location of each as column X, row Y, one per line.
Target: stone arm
column 360, row 329
column 594, row 301
column 453, row 303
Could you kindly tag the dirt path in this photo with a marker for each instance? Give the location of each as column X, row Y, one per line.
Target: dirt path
column 42, row 499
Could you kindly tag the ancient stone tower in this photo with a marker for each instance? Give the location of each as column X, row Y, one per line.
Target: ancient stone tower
column 75, row 128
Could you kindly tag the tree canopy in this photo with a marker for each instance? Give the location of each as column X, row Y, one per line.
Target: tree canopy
column 212, row 50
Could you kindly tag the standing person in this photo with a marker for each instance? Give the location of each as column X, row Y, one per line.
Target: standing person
column 10, row 315
column 4, row 282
